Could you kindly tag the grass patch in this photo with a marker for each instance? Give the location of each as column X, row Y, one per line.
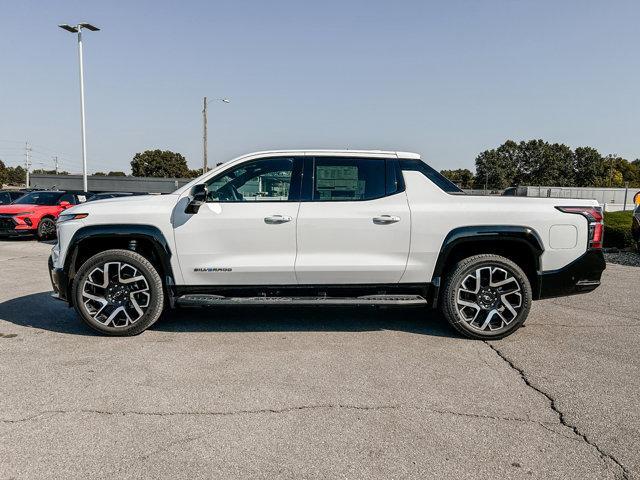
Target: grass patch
column 617, row 229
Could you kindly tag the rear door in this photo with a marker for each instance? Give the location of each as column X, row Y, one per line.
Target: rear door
column 354, row 222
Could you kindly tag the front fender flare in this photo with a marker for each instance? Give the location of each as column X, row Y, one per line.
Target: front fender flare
column 131, row 231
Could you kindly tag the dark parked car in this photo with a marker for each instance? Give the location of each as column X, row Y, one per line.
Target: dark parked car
column 9, row 196
column 105, row 195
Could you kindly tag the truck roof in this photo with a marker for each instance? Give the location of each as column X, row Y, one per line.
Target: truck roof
column 329, row 152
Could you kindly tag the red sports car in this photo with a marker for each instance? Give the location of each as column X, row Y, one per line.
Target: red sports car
column 36, row 213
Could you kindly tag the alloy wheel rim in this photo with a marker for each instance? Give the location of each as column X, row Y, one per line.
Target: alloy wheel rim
column 489, row 299
column 116, row 294
column 48, row 227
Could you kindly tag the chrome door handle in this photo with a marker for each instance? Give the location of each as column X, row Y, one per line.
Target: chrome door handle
column 385, row 219
column 276, row 219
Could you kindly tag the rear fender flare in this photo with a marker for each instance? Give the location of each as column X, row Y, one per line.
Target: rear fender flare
column 486, row 233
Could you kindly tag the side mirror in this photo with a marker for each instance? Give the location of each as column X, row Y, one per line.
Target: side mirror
column 64, row 205
column 198, row 198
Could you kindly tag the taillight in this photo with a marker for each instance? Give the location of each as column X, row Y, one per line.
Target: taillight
column 596, row 225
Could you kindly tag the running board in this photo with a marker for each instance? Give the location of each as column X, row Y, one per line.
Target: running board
column 201, row 300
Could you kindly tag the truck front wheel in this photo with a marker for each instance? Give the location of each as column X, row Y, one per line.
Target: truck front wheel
column 118, row 292
column 486, row 297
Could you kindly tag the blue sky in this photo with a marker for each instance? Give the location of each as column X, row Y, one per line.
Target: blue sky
column 447, row 79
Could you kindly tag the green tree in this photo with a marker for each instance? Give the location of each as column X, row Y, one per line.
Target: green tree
column 16, row 175
column 3, row 174
column 630, row 171
column 116, row 174
column 497, row 168
column 541, row 163
column 536, row 162
column 460, row 176
column 159, row 163
column 589, row 166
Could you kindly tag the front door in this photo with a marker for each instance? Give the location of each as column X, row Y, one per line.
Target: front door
column 245, row 234
column 354, row 227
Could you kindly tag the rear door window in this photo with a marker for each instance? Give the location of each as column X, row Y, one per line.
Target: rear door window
column 339, row 179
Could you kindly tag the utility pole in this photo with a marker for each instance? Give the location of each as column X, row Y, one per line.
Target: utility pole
column 204, row 136
column 27, row 160
column 55, row 161
column 205, row 102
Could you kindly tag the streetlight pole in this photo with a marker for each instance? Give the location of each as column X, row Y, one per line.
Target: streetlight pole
column 205, row 102
column 78, row 29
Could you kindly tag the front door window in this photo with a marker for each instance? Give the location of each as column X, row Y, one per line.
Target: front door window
column 258, row 181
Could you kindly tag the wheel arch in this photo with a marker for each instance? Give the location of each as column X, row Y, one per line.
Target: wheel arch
column 38, row 218
column 520, row 244
column 147, row 240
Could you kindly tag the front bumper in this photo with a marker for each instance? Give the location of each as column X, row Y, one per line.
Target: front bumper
column 59, row 282
column 17, row 233
column 9, row 227
column 580, row 276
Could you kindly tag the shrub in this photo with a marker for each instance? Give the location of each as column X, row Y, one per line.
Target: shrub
column 617, row 229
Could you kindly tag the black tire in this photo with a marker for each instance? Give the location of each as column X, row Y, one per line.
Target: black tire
column 491, row 301
column 46, row 228
column 118, row 295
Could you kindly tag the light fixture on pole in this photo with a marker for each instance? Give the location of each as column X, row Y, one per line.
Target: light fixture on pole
column 78, row 29
column 205, row 102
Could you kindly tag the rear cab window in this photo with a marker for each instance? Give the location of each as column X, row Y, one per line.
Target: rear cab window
column 343, row 179
column 434, row 176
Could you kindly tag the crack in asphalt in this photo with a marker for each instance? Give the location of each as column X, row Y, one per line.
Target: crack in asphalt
column 490, row 417
column 440, row 411
column 578, row 436
column 560, row 414
column 205, row 413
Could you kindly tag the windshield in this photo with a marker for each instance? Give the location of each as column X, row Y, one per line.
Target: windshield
column 39, row 198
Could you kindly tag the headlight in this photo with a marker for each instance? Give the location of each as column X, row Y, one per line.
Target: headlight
column 71, row 216
column 22, row 213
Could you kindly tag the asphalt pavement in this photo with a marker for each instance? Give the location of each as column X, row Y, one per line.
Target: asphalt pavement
column 274, row 392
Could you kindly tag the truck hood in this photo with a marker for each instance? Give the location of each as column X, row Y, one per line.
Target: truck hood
column 124, row 205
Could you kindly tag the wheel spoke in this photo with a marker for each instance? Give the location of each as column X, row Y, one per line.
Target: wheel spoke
column 509, row 306
column 487, row 320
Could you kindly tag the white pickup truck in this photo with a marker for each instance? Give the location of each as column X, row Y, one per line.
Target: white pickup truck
column 325, row 227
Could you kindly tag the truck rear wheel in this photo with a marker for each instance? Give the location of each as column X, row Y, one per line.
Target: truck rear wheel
column 486, row 297
column 118, row 292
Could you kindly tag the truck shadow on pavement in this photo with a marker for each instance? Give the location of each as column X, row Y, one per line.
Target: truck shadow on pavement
column 40, row 311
